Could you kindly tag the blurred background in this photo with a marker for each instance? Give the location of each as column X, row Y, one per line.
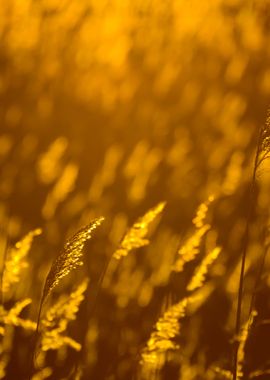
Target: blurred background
column 108, row 108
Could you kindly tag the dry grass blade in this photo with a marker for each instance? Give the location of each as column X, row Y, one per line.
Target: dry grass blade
column 70, row 257
column 135, row 236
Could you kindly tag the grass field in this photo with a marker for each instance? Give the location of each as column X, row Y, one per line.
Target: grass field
column 135, row 189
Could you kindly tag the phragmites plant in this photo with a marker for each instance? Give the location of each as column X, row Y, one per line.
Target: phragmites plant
column 167, row 327
column 191, row 248
column 161, row 339
column 70, row 258
column 55, row 322
column 242, row 342
column 200, row 272
column 262, row 153
column 136, row 235
column 16, row 261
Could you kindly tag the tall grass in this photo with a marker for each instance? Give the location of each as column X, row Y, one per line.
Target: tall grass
column 109, row 108
column 262, row 153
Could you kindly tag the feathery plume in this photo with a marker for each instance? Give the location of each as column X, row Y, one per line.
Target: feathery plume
column 11, row 317
column 190, row 249
column 199, row 219
column 242, row 343
column 61, row 189
column 16, row 260
column 49, row 163
column 200, row 272
column 168, row 327
column 57, row 318
column 135, row 236
column 161, row 339
column 70, row 258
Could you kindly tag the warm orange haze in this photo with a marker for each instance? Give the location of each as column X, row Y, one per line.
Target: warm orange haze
column 134, row 190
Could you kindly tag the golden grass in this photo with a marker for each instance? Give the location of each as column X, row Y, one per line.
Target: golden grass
column 136, row 235
column 16, row 260
column 70, row 258
column 57, row 317
column 106, row 109
column 191, row 247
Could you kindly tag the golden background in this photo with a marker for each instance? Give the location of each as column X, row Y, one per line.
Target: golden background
column 107, row 109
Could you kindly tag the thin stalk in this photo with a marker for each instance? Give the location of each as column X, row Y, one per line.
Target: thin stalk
column 259, row 274
column 5, row 251
column 35, row 339
column 252, row 203
column 99, row 285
